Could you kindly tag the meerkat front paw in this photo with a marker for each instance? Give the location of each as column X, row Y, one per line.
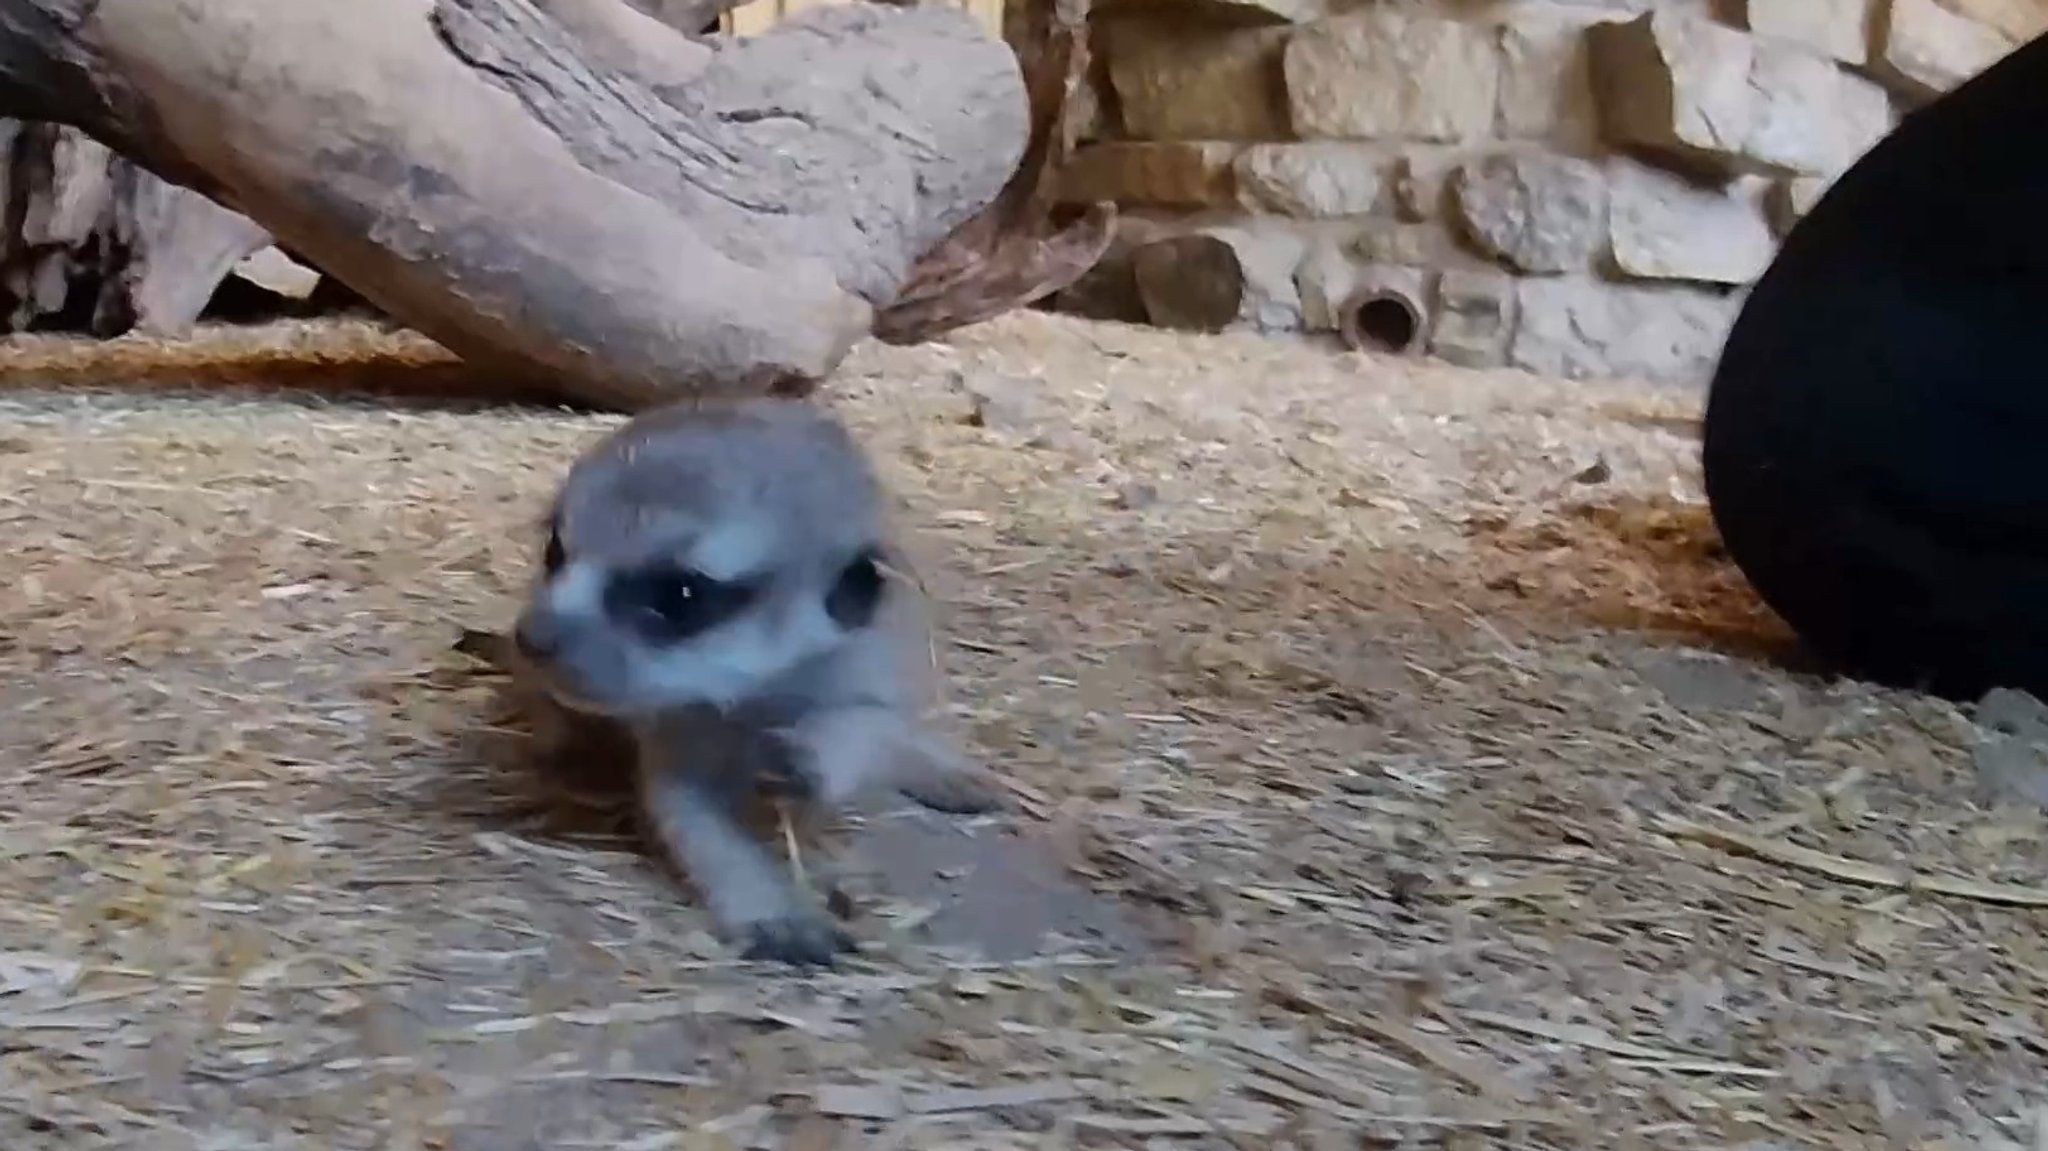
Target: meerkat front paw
column 937, row 774
column 964, row 791
column 805, row 938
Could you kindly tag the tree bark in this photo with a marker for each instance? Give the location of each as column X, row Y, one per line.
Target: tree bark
column 567, row 190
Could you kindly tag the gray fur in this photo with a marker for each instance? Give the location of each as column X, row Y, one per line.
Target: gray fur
column 775, row 492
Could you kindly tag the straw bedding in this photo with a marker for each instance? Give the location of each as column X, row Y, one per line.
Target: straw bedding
column 1398, row 764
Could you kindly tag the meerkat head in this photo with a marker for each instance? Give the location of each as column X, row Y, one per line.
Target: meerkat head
column 699, row 553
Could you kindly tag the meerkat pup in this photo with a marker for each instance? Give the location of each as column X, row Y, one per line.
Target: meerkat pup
column 716, row 592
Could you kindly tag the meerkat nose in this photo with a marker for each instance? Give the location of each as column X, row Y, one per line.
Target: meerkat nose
column 535, row 635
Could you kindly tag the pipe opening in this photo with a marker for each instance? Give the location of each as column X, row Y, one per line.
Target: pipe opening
column 1383, row 321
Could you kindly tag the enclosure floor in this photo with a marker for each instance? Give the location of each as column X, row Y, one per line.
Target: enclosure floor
column 1404, row 762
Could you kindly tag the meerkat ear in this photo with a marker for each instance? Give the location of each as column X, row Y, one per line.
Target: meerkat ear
column 552, row 555
column 857, row 593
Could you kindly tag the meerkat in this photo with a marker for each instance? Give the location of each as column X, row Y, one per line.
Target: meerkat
column 717, row 593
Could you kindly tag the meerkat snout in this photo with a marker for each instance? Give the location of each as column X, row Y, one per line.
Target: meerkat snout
column 699, row 559
column 716, row 581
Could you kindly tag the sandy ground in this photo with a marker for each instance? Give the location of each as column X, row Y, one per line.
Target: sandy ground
column 1399, row 764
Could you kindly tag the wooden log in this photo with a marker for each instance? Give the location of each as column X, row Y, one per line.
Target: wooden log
column 566, row 190
column 1191, row 283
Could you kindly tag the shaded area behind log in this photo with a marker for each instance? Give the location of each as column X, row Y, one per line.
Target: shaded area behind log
column 1015, row 251
column 92, row 241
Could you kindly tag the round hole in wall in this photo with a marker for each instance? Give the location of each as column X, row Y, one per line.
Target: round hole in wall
column 1382, row 321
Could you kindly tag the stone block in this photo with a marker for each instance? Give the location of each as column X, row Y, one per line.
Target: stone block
column 1533, row 211
column 1178, row 175
column 1420, row 176
column 1322, row 178
column 1837, row 29
column 1474, row 320
column 1715, row 98
column 1662, row 226
column 1809, row 115
column 1392, row 74
column 1673, row 84
column 1176, row 81
column 1924, row 49
column 1430, row 244
column 1546, row 86
column 1790, row 199
column 2019, row 20
column 1323, row 280
column 1236, row 11
column 1581, row 328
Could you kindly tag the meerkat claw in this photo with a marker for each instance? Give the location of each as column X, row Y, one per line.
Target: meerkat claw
column 957, row 793
column 798, row 941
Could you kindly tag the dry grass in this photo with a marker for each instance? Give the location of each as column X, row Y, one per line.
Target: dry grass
column 1410, row 713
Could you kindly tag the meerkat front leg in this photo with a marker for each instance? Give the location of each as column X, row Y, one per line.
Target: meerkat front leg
column 752, row 896
column 846, row 752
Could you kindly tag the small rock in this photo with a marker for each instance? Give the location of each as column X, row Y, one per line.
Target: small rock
column 1535, row 212
column 999, row 403
column 1838, row 29
column 1134, row 497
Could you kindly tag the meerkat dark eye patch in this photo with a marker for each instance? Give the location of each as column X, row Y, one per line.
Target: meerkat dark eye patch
column 857, row 592
column 666, row 603
column 554, row 555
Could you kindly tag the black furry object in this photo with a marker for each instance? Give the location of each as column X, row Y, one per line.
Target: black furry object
column 1873, row 445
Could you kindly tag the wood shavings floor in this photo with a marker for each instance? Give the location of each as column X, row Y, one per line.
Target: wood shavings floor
column 1417, row 758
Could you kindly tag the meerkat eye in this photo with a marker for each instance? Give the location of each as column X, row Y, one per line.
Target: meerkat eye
column 668, row 604
column 858, row 591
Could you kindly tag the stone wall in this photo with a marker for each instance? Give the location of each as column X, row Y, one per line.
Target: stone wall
column 1575, row 187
